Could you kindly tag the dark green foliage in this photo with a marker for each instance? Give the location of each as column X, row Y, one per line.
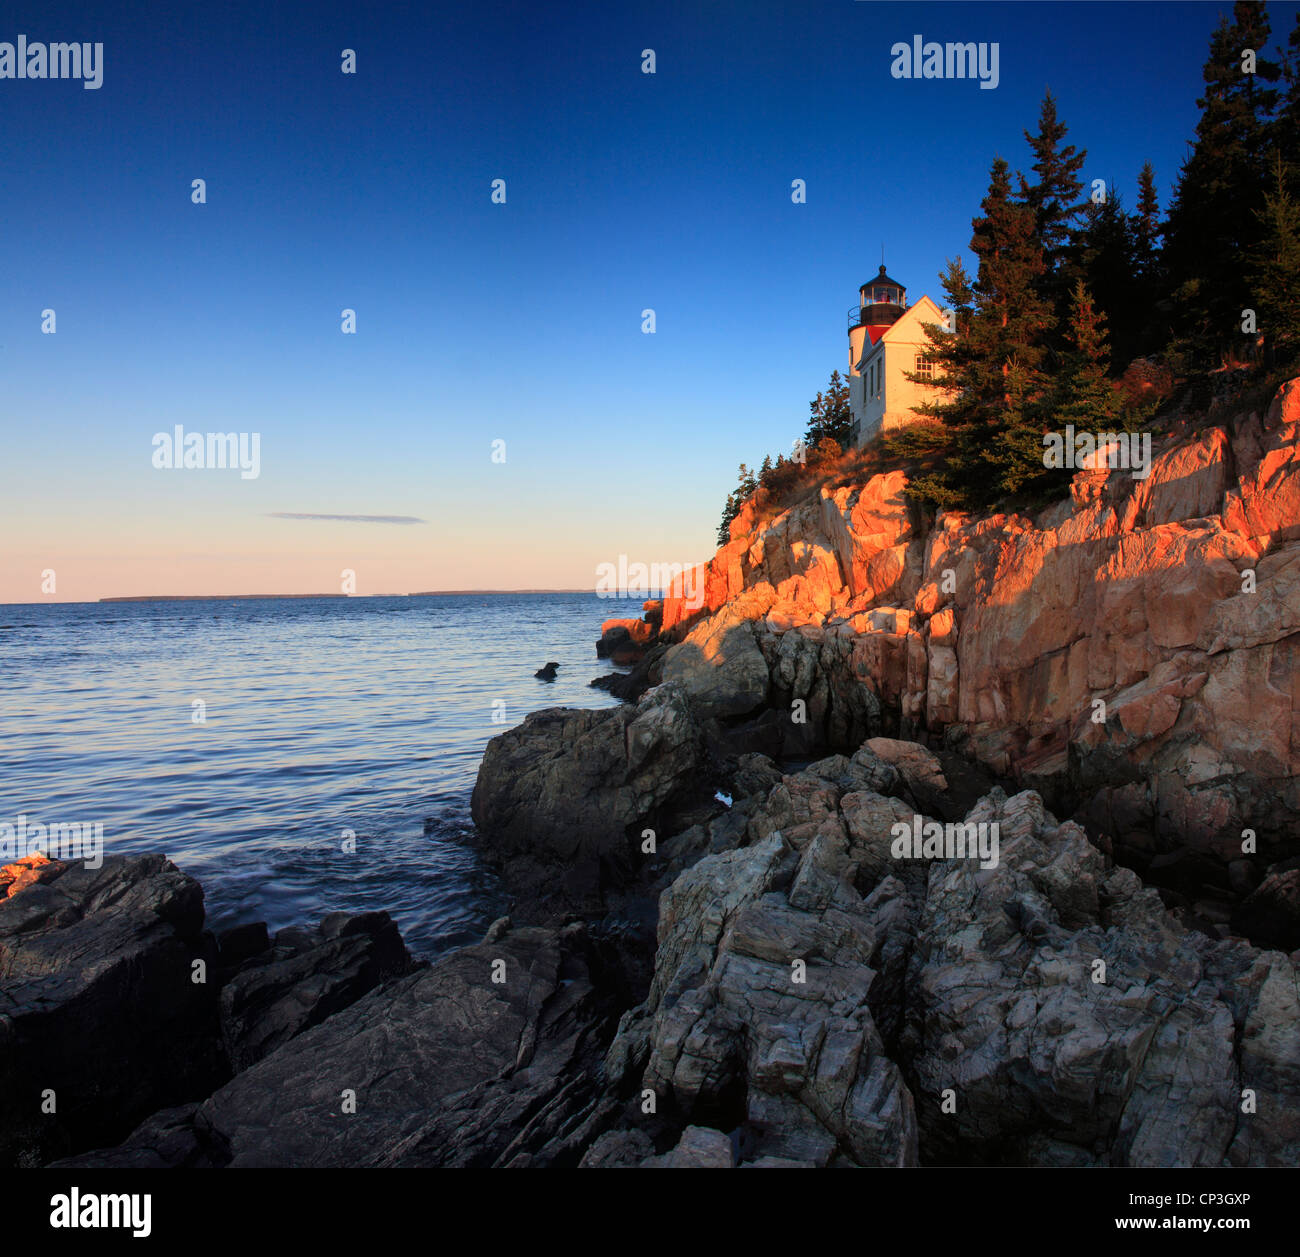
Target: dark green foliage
column 1083, row 393
column 1275, row 272
column 745, row 486
column 989, row 369
column 831, row 414
column 1107, row 265
column 1214, row 224
column 1055, row 199
column 1082, row 314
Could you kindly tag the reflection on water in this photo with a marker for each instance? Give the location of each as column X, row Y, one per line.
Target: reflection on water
column 321, row 716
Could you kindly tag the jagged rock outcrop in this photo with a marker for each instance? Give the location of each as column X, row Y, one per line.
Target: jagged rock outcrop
column 304, row 977
column 115, row 1002
column 820, row 996
column 562, row 799
column 646, row 673
column 489, row 1057
column 1132, row 653
column 1047, row 1010
column 759, row 1011
column 625, row 641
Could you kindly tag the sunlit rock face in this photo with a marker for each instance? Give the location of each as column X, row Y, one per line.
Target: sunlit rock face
column 30, row 870
column 1133, row 652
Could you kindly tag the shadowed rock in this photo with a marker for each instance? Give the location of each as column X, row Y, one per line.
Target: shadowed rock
column 306, row 976
column 561, row 800
column 99, row 1005
column 490, row 1057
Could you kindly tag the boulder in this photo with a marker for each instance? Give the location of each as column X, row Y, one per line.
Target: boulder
column 101, row 1014
column 624, row 641
column 758, row 1017
column 645, row 675
column 561, row 800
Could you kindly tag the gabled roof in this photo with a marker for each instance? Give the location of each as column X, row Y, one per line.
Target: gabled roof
column 922, row 311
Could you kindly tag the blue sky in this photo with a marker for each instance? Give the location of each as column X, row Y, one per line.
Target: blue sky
column 519, row 322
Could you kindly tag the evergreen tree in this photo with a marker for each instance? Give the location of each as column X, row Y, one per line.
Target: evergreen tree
column 1083, row 393
column 1275, row 273
column 1150, row 319
column 991, row 370
column 1054, row 198
column 948, row 358
column 1107, row 266
column 730, row 510
column 1287, row 122
column 1146, row 224
column 745, row 486
column 831, row 414
column 1214, row 219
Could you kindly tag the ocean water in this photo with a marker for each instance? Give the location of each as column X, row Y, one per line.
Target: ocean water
column 322, row 716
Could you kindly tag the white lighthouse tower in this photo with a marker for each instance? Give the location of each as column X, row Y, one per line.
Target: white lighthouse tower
column 886, row 341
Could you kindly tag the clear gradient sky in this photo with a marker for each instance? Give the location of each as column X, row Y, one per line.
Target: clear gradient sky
column 475, row 322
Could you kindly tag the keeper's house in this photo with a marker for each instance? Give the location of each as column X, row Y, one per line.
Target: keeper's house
column 886, row 340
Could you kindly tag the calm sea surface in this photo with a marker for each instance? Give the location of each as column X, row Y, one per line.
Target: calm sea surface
column 322, row 715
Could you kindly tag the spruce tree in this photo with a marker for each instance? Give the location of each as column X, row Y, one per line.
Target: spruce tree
column 1083, row 393
column 1107, row 265
column 991, row 371
column 1149, row 317
column 947, row 358
column 744, row 490
column 1214, row 220
column 831, row 414
column 1275, row 272
column 1009, row 334
column 1146, row 224
column 1055, row 199
column 1287, row 123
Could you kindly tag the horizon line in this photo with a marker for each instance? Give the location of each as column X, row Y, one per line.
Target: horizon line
column 423, row 593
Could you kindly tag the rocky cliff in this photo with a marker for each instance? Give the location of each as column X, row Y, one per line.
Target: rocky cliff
column 724, row 949
column 1131, row 653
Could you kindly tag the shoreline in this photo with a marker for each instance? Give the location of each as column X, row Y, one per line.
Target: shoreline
column 719, row 950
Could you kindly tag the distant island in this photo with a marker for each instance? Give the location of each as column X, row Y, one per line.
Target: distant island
column 427, row 593
column 454, row 593
column 213, row 597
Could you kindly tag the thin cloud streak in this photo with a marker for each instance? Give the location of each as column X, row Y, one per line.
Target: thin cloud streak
column 351, row 519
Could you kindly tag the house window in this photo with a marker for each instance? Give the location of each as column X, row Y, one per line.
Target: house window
column 924, row 368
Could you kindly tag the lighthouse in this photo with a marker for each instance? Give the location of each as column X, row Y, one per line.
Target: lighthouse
column 881, row 303
column 887, row 342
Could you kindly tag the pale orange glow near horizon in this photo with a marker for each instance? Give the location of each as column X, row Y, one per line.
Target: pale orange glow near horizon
column 311, row 557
